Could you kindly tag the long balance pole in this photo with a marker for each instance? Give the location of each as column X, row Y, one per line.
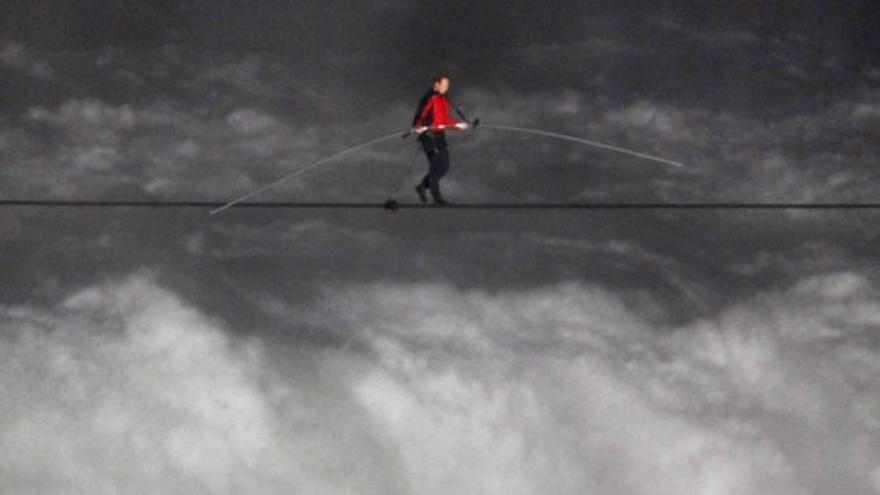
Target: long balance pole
column 397, row 134
column 587, row 142
column 305, row 169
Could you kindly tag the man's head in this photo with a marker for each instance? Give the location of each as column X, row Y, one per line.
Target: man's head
column 441, row 83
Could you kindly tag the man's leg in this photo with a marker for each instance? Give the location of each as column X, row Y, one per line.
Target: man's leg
column 443, row 161
column 429, row 147
column 429, row 180
column 426, row 180
column 435, row 173
column 421, row 188
column 439, row 168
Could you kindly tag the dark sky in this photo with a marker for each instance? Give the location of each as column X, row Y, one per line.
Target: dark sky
column 438, row 351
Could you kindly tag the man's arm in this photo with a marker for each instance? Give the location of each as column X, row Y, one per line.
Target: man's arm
column 422, row 110
column 452, row 122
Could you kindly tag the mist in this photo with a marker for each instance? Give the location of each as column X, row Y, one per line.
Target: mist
column 126, row 387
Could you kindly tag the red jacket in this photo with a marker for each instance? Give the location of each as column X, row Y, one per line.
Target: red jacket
column 433, row 111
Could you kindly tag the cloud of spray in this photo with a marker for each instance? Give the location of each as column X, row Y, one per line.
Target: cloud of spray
column 125, row 389
column 562, row 389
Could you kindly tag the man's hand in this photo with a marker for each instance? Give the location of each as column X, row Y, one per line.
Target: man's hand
column 462, row 125
column 419, row 130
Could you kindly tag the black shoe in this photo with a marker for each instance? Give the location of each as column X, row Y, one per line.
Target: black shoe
column 441, row 202
column 420, row 190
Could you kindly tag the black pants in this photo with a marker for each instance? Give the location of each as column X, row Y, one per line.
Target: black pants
column 434, row 146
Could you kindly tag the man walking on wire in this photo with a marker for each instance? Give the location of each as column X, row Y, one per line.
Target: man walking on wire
column 430, row 123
